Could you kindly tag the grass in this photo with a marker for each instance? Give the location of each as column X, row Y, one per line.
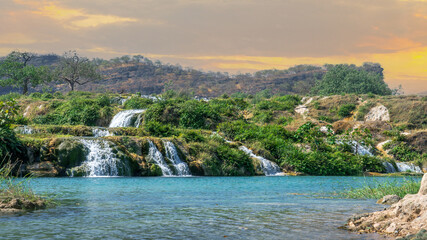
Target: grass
column 379, row 190
column 19, row 190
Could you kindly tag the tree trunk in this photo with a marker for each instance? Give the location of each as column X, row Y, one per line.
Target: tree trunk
column 25, row 88
column 72, row 86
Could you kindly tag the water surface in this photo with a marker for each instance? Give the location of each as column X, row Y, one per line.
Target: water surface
column 191, row 208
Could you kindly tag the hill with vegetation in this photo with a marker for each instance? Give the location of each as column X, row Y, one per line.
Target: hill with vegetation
column 138, row 74
column 315, row 135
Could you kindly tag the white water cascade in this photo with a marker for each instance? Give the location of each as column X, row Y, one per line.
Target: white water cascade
column 389, row 168
column 357, row 148
column 155, row 155
column 24, row 130
column 172, row 154
column 100, row 159
column 268, row 167
column 101, row 132
column 408, row 167
column 124, row 118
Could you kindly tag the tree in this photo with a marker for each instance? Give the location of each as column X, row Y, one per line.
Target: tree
column 74, row 69
column 16, row 71
column 344, row 78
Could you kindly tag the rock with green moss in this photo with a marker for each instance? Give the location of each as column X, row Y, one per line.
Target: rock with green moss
column 70, row 153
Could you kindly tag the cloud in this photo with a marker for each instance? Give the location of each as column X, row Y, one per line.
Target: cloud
column 16, row 38
column 73, row 18
column 389, row 44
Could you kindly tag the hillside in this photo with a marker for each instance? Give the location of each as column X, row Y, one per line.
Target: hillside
column 335, row 135
column 142, row 75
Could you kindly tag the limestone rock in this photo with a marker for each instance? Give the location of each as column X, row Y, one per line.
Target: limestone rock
column 389, row 199
column 407, row 216
column 378, row 113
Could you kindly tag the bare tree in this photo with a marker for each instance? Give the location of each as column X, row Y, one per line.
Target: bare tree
column 74, row 69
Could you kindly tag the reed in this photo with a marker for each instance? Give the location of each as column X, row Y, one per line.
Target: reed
column 379, row 190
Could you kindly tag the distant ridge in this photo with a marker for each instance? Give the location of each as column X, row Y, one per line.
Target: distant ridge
column 139, row 74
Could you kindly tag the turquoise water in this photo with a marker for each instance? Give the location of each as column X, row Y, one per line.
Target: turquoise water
column 191, row 208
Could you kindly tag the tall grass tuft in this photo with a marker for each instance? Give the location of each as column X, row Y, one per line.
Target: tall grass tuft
column 379, row 190
column 18, row 190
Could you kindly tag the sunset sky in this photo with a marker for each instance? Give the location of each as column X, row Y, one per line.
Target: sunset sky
column 229, row 35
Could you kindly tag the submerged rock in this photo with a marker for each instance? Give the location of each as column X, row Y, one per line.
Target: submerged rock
column 407, row 216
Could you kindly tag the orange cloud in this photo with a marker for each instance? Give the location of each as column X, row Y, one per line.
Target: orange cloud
column 419, row 15
column 16, row 39
column 389, row 44
column 73, row 18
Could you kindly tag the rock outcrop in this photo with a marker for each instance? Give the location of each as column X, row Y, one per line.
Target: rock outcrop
column 404, row 218
column 378, row 113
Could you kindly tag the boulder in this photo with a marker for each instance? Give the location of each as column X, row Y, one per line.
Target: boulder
column 378, row 113
column 70, row 153
column 407, row 216
column 389, row 199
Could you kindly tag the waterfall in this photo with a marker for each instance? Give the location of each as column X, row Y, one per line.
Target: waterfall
column 100, row 159
column 408, row 167
column 101, row 132
column 389, row 167
column 24, row 130
column 155, row 155
column 172, row 154
column 268, row 167
column 358, row 148
column 124, row 118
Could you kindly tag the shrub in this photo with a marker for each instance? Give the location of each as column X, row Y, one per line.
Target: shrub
column 346, row 109
column 46, row 96
column 138, row 103
column 159, row 129
column 35, row 95
column 196, row 114
column 58, row 95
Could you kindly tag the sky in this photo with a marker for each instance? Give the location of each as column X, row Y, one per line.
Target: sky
column 229, row 35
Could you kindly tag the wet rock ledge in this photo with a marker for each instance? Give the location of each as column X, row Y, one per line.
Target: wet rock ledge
column 407, row 218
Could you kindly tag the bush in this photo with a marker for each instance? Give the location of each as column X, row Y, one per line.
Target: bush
column 46, row 96
column 137, row 103
column 58, row 95
column 10, row 96
column 195, row 114
column 35, row 95
column 345, row 110
column 159, row 129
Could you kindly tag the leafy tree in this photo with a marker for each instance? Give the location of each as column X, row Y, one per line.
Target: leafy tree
column 74, row 69
column 9, row 144
column 16, row 71
column 344, row 78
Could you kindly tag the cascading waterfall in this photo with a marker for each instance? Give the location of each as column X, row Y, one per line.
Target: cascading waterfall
column 358, row 148
column 389, row 167
column 268, row 167
column 408, row 167
column 24, row 130
column 155, row 155
column 172, row 154
column 100, row 159
column 101, row 132
column 124, row 118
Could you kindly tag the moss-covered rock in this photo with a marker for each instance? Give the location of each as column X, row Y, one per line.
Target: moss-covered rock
column 70, row 153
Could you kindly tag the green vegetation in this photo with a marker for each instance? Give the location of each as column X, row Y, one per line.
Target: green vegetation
column 17, row 193
column 16, row 71
column 346, row 110
column 264, row 122
column 379, row 190
column 9, row 144
column 343, row 78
